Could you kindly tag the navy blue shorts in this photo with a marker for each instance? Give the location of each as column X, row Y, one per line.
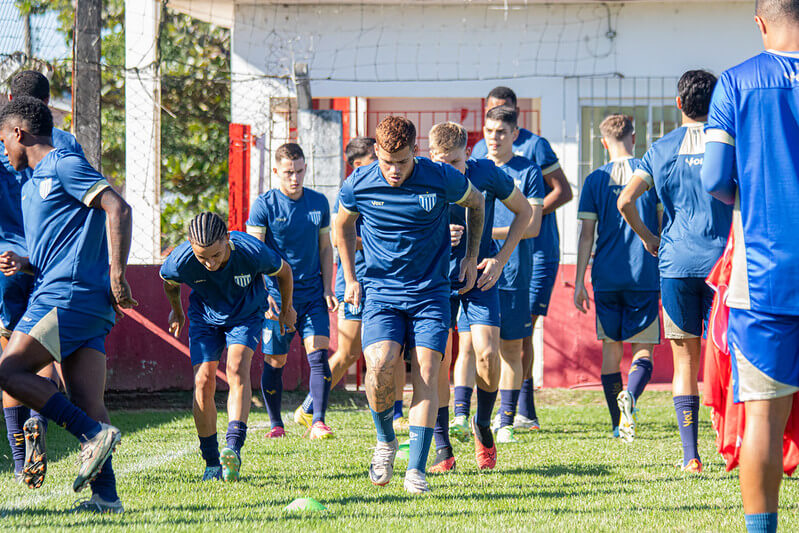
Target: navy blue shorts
column 312, row 321
column 348, row 311
column 14, row 294
column 206, row 341
column 64, row 331
column 686, row 306
column 629, row 316
column 542, row 282
column 765, row 355
column 424, row 323
column 475, row 307
column 516, row 322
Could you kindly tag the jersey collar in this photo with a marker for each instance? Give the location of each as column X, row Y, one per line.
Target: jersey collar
column 784, row 53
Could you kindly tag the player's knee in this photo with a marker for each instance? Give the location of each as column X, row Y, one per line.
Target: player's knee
column 276, row 361
column 205, row 383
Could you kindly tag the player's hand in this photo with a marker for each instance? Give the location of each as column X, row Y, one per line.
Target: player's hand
column 455, row 234
column 492, row 270
column 581, row 301
column 468, row 274
column 353, row 294
column 332, row 302
column 176, row 322
column 121, row 297
column 10, row 263
column 652, row 244
column 287, row 319
column 273, row 311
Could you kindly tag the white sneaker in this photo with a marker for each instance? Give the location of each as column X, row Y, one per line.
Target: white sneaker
column 382, row 467
column 415, row 482
column 495, row 422
column 522, row 422
column 626, row 404
column 505, row 435
column 97, row 505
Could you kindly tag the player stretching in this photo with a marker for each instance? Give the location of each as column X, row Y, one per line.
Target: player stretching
column 478, row 308
column 624, row 275
column 359, row 152
column 762, row 179
column 26, row 429
column 226, row 309
column 545, row 247
column 295, row 222
column 72, row 306
column 404, row 202
column 695, row 229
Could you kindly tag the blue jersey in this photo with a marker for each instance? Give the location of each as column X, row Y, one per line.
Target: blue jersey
column 621, row 263
column 527, row 145
column 755, row 108
column 65, row 237
column 59, row 139
column 405, row 231
column 360, row 262
column 484, row 175
column 695, row 225
column 293, row 228
column 233, row 294
column 527, row 177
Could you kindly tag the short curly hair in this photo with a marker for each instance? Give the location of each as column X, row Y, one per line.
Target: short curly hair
column 30, row 83
column 32, row 112
column 395, row 133
column 448, row 136
column 290, row 151
column 696, row 89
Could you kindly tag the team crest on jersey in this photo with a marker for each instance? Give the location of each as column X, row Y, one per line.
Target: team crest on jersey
column 242, row 280
column 316, row 217
column 427, row 201
column 45, row 186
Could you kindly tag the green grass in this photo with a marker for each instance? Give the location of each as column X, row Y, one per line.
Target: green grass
column 568, row 476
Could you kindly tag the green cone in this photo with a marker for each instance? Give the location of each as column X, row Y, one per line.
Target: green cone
column 404, row 451
column 305, row 504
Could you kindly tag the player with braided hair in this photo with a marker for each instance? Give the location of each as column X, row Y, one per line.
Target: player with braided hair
column 226, row 308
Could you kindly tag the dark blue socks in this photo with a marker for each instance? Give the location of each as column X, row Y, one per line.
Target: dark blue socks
column 485, row 404
column 637, row 379
column 419, row 447
column 612, row 386
column 397, row 409
column 761, row 523
column 463, row 400
column 384, row 424
column 105, row 484
column 67, row 415
column 209, row 449
column 272, row 391
column 307, row 404
column 441, row 429
column 319, row 383
column 687, row 409
column 236, row 434
column 15, row 419
column 508, row 399
column 527, row 400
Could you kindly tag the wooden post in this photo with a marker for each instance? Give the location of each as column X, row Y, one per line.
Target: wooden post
column 86, row 82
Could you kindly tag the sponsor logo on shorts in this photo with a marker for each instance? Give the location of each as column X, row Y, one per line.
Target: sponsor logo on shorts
column 280, row 219
column 45, row 186
column 377, row 204
column 427, row 201
column 316, row 217
column 199, row 281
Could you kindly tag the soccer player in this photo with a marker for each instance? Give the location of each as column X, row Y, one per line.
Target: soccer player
column 71, row 310
column 695, row 229
column 27, row 445
column 295, row 221
column 624, row 275
column 545, row 248
column 479, row 308
column 404, row 202
column 761, row 178
column 359, row 152
column 225, row 272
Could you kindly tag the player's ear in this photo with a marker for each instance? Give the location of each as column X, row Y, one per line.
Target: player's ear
column 679, row 103
column 468, row 152
column 604, row 143
column 515, row 133
column 415, row 150
column 761, row 25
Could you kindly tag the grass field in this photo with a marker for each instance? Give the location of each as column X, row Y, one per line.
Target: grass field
column 568, row 476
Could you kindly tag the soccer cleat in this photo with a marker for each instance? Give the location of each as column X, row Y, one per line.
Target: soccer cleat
column 231, row 464
column 615, row 433
column 320, row 430
column 415, row 482
column 212, row 473
column 627, row 423
column 459, row 428
column 381, row 468
column 495, row 423
column 302, row 418
column 275, row 433
column 97, row 505
column 401, row 424
column 19, row 477
column 35, row 467
column 444, row 461
column 505, row 435
column 694, row 466
column 522, row 422
column 485, row 450
column 94, row 453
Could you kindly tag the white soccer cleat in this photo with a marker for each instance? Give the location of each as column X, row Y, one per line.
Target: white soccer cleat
column 415, row 482
column 381, row 469
column 626, row 404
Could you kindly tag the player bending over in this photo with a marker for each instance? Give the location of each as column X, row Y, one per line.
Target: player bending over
column 226, row 309
column 762, row 180
column 624, row 275
column 695, row 229
column 75, row 293
column 295, row 221
column 479, row 307
column 404, row 202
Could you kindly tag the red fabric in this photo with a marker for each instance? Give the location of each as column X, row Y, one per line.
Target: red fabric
column 727, row 417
